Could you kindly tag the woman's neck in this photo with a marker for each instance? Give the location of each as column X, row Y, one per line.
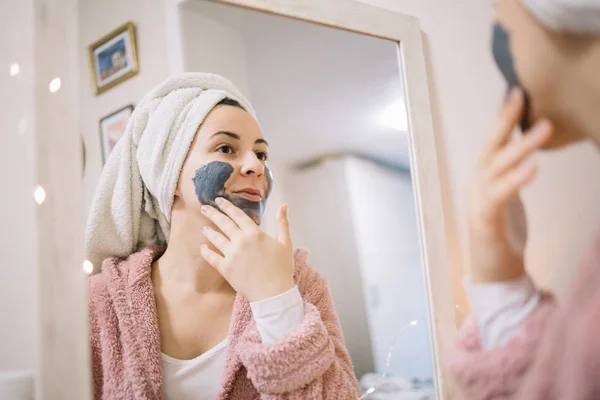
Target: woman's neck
column 182, row 266
column 589, row 113
column 584, row 96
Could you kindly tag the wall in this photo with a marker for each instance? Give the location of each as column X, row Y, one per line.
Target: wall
column 465, row 90
column 209, row 46
column 358, row 220
column 18, row 281
column 387, row 242
column 322, row 223
column 96, row 19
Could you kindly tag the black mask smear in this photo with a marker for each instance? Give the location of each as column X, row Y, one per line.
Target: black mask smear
column 209, row 182
column 504, row 60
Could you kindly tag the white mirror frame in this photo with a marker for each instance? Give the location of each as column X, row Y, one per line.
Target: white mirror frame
column 63, row 350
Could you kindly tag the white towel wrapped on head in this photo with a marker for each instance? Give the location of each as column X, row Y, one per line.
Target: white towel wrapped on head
column 132, row 205
column 575, row 16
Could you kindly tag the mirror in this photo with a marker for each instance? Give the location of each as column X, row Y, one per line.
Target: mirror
column 349, row 151
column 331, row 104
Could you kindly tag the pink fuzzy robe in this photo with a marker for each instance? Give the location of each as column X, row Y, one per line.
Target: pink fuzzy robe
column 310, row 362
column 556, row 355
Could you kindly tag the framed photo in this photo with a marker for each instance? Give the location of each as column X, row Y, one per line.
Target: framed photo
column 112, row 127
column 113, row 59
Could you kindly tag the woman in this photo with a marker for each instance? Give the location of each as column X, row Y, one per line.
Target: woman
column 194, row 301
column 519, row 344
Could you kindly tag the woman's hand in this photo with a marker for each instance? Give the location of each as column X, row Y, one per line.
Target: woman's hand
column 256, row 265
column 501, row 172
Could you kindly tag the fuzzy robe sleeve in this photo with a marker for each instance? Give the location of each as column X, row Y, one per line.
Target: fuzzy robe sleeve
column 310, row 362
column 498, row 373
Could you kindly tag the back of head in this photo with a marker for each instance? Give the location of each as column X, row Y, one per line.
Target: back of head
column 573, row 16
column 551, row 50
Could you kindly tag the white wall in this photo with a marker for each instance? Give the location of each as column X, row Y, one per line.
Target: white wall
column 321, row 221
column 96, row 19
column 358, row 221
column 209, row 46
column 387, row 241
column 466, row 89
column 18, row 244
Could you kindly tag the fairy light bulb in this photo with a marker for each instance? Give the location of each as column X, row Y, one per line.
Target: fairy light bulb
column 88, row 267
column 39, row 194
column 54, row 85
column 14, row 69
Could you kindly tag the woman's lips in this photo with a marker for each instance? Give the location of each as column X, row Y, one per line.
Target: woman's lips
column 249, row 195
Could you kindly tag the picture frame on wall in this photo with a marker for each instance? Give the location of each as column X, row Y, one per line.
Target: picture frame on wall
column 112, row 127
column 114, row 58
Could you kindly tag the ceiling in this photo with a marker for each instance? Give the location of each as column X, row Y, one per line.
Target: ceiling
column 319, row 90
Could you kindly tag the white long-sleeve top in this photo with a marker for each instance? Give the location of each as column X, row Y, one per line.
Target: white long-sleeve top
column 500, row 308
column 200, row 378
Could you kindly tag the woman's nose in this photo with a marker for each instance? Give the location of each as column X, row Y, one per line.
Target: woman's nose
column 252, row 165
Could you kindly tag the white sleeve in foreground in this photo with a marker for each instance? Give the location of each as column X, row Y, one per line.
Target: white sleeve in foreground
column 500, row 308
column 278, row 315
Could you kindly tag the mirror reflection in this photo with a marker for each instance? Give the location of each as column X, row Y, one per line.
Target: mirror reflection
column 281, row 136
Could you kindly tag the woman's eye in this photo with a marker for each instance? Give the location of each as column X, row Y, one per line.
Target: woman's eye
column 225, row 149
column 262, row 156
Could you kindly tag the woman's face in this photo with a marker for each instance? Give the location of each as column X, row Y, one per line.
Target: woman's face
column 226, row 159
column 544, row 63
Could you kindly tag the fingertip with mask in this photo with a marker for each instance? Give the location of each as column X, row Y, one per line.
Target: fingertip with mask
column 505, row 62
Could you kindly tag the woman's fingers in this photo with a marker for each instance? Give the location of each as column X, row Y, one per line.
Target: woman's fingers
column 507, row 118
column 510, row 184
column 211, row 257
column 283, row 227
column 238, row 216
column 222, row 221
column 518, row 150
column 218, row 240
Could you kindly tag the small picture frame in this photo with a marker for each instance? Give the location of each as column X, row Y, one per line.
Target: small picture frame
column 113, row 59
column 112, row 127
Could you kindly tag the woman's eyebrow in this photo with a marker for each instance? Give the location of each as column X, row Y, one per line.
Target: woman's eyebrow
column 227, row 133
column 237, row 137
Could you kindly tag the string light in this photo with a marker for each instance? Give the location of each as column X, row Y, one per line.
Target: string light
column 388, row 360
column 14, row 69
column 88, row 267
column 54, row 85
column 39, row 194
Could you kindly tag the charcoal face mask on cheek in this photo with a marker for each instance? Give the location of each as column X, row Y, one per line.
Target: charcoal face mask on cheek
column 209, row 182
column 504, row 60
